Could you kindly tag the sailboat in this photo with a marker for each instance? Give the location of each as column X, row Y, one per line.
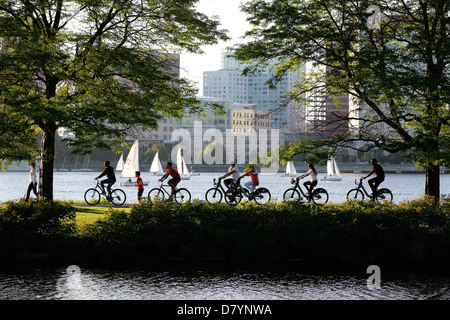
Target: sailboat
column 119, row 166
column 290, row 170
column 156, row 168
column 130, row 166
column 181, row 167
column 333, row 173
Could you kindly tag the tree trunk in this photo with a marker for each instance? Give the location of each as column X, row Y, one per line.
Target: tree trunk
column 47, row 162
column 432, row 182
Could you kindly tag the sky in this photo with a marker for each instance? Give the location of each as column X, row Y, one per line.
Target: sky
column 231, row 19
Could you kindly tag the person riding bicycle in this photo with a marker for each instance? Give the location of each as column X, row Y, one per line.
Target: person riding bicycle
column 251, row 185
column 175, row 177
column 375, row 182
column 232, row 170
column 110, row 177
column 313, row 180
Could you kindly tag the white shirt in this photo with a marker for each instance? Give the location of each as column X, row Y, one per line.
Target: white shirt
column 236, row 173
column 33, row 175
column 312, row 174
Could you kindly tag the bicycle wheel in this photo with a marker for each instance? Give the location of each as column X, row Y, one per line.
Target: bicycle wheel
column 92, row 196
column 214, row 195
column 118, row 197
column 355, row 195
column 384, row 195
column 233, row 197
column 319, row 196
column 182, row 195
column 262, row 196
column 156, row 194
column 291, row 194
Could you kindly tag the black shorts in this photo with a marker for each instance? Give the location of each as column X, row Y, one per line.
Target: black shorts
column 174, row 181
column 228, row 181
column 140, row 192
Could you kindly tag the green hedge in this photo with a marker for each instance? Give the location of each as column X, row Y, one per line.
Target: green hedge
column 37, row 227
column 411, row 231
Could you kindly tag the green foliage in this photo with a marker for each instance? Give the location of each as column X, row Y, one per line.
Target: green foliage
column 396, row 76
column 37, row 226
column 111, row 74
column 413, row 231
column 358, row 231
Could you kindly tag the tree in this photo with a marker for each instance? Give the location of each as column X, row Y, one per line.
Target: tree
column 93, row 68
column 396, row 71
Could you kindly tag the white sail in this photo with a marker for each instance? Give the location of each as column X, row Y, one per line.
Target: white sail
column 156, row 165
column 179, row 161
column 330, row 168
column 131, row 165
column 290, row 168
column 181, row 166
column 333, row 173
column 119, row 166
column 336, row 169
column 185, row 170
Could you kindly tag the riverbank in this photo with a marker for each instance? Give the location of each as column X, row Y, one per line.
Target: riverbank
column 198, row 168
column 415, row 231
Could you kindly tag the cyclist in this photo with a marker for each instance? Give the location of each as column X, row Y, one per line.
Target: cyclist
column 313, row 180
column 232, row 170
column 110, row 177
column 375, row 182
column 175, row 177
column 254, row 179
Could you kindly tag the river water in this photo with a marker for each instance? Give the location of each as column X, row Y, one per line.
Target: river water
column 72, row 185
column 294, row 281
column 297, row 281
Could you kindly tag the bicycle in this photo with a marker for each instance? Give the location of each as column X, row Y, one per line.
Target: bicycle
column 92, row 196
column 236, row 192
column 381, row 195
column 180, row 195
column 318, row 195
column 216, row 193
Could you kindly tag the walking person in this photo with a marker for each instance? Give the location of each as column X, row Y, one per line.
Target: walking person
column 309, row 185
column 33, row 181
column 375, row 182
column 140, row 186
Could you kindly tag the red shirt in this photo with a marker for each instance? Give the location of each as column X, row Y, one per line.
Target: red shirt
column 173, row 173
column 254, row 177
column 139, row 185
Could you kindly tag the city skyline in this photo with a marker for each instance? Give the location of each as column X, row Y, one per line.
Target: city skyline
column 232, row 19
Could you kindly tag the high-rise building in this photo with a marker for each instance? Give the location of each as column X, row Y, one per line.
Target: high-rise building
column 229, row 83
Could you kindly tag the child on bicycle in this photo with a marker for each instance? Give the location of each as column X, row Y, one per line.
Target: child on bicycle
column 175, row 177
column 313, row 180
column 250, row 185
column 140, row 186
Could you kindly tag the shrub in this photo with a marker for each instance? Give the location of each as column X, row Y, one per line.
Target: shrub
column 413, row 231
column 26, row 227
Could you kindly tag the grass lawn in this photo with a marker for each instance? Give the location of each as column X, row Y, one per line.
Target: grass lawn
column 87, row 215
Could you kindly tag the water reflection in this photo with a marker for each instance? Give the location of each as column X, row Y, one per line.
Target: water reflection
column 198, row 284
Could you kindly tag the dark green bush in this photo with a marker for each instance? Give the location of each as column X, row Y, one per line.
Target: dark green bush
column 37, row 226
column 412, row 231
